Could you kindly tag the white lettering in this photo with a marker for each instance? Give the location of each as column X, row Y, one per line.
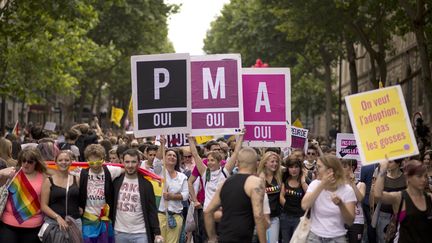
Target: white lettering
column 163, row 119
column 215, row 119
column 157, row 84
column 262, row 132
column 262, row 98
column 214, row 87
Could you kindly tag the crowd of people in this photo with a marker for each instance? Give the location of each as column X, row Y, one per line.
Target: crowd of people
column 236, row 193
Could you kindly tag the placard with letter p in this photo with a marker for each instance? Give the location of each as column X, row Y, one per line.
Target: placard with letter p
column 161, row 94
column 267, row 106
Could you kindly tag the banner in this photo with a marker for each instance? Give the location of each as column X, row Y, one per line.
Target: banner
column 216, row 94
column 161, row 94
column 299, row 138
column 267, row 106
column 346, row 146
column 177, row 140
column 381, row 125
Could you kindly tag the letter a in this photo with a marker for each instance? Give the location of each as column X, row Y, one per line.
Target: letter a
column 157, row 84
column 262, row 98
column 214, row 88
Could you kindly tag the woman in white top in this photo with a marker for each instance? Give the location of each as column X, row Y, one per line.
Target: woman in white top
column 212, row 173
column 171, row 207
column 355, row 231
column 331, row 201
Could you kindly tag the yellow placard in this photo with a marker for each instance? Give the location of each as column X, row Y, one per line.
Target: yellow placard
column 381, row 125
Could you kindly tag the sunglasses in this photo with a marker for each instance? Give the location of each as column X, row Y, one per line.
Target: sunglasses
column 96, row 162
column 30, row 162
column 187, row 156
column 311, row 153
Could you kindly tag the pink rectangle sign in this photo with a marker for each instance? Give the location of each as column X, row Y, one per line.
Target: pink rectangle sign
column 216, row 99
column 266, row 106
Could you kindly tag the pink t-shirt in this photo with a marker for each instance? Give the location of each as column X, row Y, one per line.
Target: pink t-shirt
column 35, row 221
column 201, row 194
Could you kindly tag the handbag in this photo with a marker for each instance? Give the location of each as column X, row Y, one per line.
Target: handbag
column 303, row 228
column 4, row 194
column 190, row 225
column 392, row 227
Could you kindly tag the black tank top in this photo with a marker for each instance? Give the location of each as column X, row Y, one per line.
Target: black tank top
column 57, row 199
column 237, row 222
column 273, row 193
column 416, row 227
column 293, row 197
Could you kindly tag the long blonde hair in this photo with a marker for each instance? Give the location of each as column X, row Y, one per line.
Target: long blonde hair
column 261, row 167
column 6, row 152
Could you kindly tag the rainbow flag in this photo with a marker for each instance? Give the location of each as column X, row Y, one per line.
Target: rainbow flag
column 25, row 201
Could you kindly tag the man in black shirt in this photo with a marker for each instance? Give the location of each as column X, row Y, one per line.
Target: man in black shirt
column 241, row 198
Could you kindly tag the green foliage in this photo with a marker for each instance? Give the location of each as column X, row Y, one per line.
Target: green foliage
column 76, row 48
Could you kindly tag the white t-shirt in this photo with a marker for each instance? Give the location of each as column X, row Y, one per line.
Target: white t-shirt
column 175, row 185
column 326, row 217
column 129, row 216
column 96, row 189
column 217, row 177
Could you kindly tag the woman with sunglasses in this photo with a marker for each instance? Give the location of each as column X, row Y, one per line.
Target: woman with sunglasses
column 96, row 195
column 415, row 214
column 58, row 188
column 331, row 202
column 16, row 229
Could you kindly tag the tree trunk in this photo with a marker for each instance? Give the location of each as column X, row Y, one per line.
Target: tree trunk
column 351, row 57
column 418, row 22
column 380, row 59
column 328, row 87
column 373, row 75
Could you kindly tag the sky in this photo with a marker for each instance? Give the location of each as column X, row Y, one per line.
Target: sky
column 188, row 28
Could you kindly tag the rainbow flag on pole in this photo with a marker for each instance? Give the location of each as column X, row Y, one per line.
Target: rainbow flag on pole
column 25, row 201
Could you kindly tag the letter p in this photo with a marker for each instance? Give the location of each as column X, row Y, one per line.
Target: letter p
column 157, row 84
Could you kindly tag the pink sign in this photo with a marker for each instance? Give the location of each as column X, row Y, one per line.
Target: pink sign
column 266, row 106
column 216, row 94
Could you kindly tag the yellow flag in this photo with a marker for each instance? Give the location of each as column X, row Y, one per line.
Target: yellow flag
column 130, row 111
column 298, row 123
column 203, row 139
column 380, row 85
column 116, row 115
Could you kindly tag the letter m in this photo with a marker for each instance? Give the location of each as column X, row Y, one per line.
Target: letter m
column 214, row 87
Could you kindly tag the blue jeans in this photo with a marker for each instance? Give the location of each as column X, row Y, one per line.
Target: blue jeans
column 288, row 224
column 313, row 238
column 383, row 221
column 273, row 231
column 130, row 238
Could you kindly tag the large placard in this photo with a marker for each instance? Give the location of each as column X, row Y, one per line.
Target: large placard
column 216, row 94
column 267, row 106
column 381, row 125
column 161, row 94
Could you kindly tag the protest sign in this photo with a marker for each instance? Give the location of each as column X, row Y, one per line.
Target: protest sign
column 161, row 94
column 216, row 94
column 267, row 106
column 50, row 126
column 381, row 125
column 346, row 147
column 177, row 140
column 299, row 138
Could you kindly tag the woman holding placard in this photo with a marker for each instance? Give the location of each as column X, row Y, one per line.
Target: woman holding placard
column 413, row 206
